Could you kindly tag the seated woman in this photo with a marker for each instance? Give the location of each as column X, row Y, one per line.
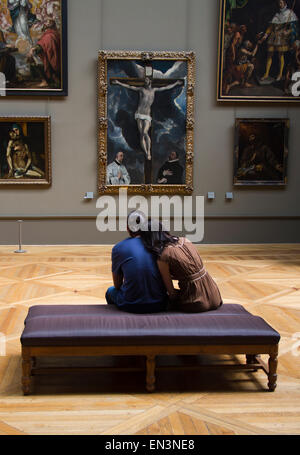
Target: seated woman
column 178, row 259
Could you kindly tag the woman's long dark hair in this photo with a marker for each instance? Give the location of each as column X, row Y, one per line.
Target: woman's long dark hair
column 156, row 238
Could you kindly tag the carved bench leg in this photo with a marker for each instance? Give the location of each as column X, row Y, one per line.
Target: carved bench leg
column 26, row 372
column 150, row 378
column 272, row 376
column 33, row 362
column 251, row 359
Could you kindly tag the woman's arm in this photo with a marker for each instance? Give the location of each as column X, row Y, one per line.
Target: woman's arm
column 167, row 279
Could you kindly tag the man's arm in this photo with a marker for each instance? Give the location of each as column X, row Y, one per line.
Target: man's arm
column 8, row 157
column 160, row 176
column 29, row 158
column 131, row 87
column 111, row 179
column 126, row 176
column 116, row 269
column 108, row 175
column 118, row 280
column 168, row 87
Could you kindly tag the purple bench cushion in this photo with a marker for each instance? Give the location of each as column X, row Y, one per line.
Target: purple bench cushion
column 106, row 325
column 96, row 310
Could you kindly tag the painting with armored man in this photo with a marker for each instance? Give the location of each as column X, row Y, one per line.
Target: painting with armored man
column 25, row 151
column 33, row 47
column 259, row 51
column 145, row 121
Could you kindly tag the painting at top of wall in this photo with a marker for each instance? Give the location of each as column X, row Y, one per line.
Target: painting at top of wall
column 33, row 47
column 259, row 50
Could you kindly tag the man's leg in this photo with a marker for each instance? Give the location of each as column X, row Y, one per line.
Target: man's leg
column 268, row 66
column 147, row 139
column 281, row 65
column 248, row 75
column 144, row 126
column 111, row 295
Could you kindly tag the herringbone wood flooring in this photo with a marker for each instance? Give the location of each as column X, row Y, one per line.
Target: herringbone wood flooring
column 263, row 278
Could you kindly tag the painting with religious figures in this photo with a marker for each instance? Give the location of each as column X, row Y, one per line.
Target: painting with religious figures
column 261, row 152
column 146, row 119
column 33, row 48
column 259, row 51
column 25, row 151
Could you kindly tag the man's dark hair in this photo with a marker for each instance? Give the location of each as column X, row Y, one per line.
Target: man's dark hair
column 136, row 221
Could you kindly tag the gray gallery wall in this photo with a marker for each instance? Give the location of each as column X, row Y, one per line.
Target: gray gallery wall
column 60, row 214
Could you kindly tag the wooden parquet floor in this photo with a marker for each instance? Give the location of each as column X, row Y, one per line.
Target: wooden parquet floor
column 263, row 278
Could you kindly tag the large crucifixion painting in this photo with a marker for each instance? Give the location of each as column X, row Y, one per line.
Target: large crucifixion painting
column 145, row 121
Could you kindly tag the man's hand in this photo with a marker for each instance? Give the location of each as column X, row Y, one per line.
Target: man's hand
column 261, row 37
column 30, row 53
column 167, row 172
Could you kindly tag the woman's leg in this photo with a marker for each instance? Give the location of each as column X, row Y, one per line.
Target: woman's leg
column 198, row 307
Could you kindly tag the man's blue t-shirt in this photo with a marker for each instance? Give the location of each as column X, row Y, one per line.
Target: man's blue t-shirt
column 142, row 286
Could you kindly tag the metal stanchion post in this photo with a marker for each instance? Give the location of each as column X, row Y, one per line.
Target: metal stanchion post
column 20, row 238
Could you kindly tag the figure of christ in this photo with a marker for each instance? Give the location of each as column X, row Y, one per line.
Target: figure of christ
column 143, row 113
column 19, row 159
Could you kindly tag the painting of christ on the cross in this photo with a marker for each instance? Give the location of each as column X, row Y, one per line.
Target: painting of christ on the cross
column 146, row 103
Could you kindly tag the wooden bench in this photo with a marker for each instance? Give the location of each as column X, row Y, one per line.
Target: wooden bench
column 104, row 330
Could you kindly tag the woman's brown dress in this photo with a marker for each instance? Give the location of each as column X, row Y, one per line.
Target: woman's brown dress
column 198, row 291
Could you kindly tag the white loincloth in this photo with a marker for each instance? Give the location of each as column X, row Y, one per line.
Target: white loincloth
column 142, row 117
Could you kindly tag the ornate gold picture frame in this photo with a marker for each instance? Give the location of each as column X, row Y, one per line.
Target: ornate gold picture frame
column 25, row 151
column 145, row 122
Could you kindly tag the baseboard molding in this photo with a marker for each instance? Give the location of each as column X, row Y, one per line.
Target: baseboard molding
column 93, row 217
column 83, row 231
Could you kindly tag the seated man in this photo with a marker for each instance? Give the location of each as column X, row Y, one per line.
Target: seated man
column 138, row 286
